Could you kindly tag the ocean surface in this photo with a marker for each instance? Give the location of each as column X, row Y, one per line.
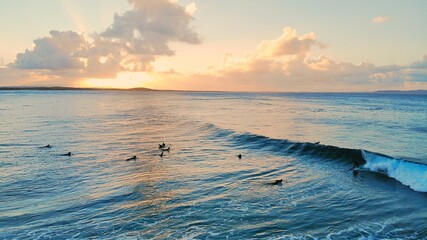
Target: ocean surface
column 200, row 189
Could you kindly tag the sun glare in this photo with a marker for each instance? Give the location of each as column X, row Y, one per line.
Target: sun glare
column 123, row 80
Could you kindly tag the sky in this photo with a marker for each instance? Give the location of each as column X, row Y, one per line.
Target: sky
column 226, row 45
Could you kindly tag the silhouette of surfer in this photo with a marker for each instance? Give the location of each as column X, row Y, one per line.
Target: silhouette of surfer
column 277, row 182
column 356, row 165
column 67, row 154
column 162, row 145
column 239, row 156
column 132, row 158
column 355, row 173
column 317, row 143
column 355, row 168
column 47, row 146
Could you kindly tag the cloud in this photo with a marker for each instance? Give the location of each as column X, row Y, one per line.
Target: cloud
column 58, row 51
column 417, row 71
column 380, row 19
column 191, row 8
column 12, row 77
column 289, row 43
column 33, row 77
column 132, row 42
column 138, row 37
column 282, row 64
column 150, row 26
column 420, row 64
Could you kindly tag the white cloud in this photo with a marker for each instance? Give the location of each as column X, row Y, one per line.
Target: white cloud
column 133, row 42
column 58, row 51
column 380, row 19
column 191, row 8
column 152, row 24
column 289, row 43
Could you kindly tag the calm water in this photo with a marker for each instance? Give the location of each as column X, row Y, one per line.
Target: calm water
column 200, row 189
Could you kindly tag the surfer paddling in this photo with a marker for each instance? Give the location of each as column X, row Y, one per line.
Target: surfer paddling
column 277, row 182
column 67, row 154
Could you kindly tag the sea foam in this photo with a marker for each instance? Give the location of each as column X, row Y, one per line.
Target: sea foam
column 410, row 174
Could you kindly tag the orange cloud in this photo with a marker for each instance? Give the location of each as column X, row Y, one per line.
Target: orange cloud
column 191, row 8
column 289, row 43
column 380, row 19
column 282, row 64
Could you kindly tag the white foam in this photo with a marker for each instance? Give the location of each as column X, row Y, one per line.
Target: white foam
column 410, row 174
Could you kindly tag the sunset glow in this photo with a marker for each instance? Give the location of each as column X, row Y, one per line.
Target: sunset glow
column 123, row 80
column 213, row 119
column 126, row 44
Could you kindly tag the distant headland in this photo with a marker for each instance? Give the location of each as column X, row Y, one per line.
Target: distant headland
column 411, row 92
column 59, row 88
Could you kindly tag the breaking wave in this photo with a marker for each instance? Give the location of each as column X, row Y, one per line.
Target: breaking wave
column 411, row 174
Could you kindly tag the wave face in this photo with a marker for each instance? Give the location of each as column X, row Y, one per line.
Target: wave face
column 411, row 174
column 255, row 141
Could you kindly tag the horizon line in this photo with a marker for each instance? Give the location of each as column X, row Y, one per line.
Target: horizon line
column 59, row 88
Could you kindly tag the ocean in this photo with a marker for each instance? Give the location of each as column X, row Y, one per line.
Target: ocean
column 200, row 189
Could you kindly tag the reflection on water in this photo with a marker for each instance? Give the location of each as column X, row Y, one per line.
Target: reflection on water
column 200, row 189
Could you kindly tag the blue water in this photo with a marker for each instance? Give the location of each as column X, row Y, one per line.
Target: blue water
column 200, row 189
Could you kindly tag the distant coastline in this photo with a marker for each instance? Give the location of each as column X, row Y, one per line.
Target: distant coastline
column 60, row 88
column 414, row 92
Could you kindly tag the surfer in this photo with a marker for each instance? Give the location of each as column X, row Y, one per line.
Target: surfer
column 317, row 143
column 161, row 155
column 132, row 158
column 355, row 168
column 355, row 173
column 162, row 145
column 167, row 149
column 67, row 154
column 239, row 156
column 355, row 165
column 277, row 182
column 47, row 146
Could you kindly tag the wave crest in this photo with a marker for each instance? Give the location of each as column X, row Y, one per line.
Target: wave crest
column 411, row 174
